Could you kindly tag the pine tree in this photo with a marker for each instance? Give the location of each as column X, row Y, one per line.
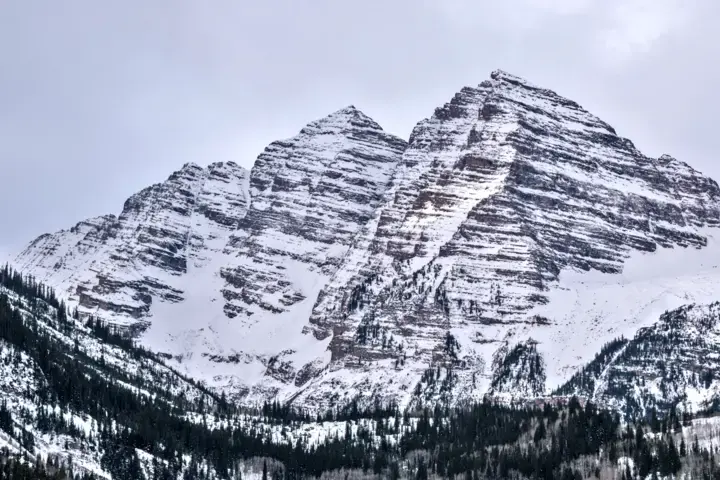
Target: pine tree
column 422, row 472
column 394, row 473
column 539, row 432
column 673, row 458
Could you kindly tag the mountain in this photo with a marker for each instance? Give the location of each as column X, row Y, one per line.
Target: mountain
column 669, row 364
column 71, row 391
column 117, row 267
column 80, row 400
column 213, row 279
column 495, row 252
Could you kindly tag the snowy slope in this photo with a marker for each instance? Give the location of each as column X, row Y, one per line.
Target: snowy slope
column 673, row 361
column 26, row 391
column 592, row 308
column 496, row 252
column 116, row 267
column 507, row 201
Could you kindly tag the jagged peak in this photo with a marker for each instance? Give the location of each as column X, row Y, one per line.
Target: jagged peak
column 191, row 166
column 189, row 172
column 349, row 110
column 668, row 162
column 229, row 165
column 96, row 223
column 502, row 75
column 98, row 220
column 520, row 97
column 514, row 82
column 349, row 116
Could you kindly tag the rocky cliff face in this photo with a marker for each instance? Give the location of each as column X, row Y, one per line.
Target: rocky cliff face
column 116, row 267
column 501, row 191
column 496, row 252
column 310, row 196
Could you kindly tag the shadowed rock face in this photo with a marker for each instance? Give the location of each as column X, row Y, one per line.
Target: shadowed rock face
column 344, row 261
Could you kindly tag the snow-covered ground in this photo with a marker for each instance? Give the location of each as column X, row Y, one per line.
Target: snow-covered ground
column 20, row 384
column 591, row 308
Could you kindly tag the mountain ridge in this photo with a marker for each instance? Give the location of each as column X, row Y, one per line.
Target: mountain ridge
column 348, row 260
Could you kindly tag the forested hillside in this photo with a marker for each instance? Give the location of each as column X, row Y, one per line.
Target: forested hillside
column 80, row 401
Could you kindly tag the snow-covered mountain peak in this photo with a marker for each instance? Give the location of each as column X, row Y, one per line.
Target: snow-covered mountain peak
column 349, row 262
column 350, row 111
column 502, row 75
column 311, row 196
column 191, row 166
column 116, row 267
column 504, row 188
column 668, row 163
column 343, row 120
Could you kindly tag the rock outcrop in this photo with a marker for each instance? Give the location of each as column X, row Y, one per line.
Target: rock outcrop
column 117, row 267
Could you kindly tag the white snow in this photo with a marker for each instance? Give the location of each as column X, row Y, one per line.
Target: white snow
column 589, row 309
column 340, row 203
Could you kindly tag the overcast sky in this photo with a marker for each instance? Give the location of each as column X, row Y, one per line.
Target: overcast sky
column 101, row 98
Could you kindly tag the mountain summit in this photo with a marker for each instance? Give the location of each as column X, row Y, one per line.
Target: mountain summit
column 495, row 252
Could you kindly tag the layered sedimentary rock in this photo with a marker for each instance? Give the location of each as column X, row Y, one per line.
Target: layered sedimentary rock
column 498, row 193
column 116, row 267
column 310, row 196
column 494, row 253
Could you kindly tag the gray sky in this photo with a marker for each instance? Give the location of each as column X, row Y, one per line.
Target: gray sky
column 100, row 99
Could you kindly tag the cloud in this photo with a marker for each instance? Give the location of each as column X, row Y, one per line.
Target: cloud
column 634, row 26
column 613, row 30
column 509, row 15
